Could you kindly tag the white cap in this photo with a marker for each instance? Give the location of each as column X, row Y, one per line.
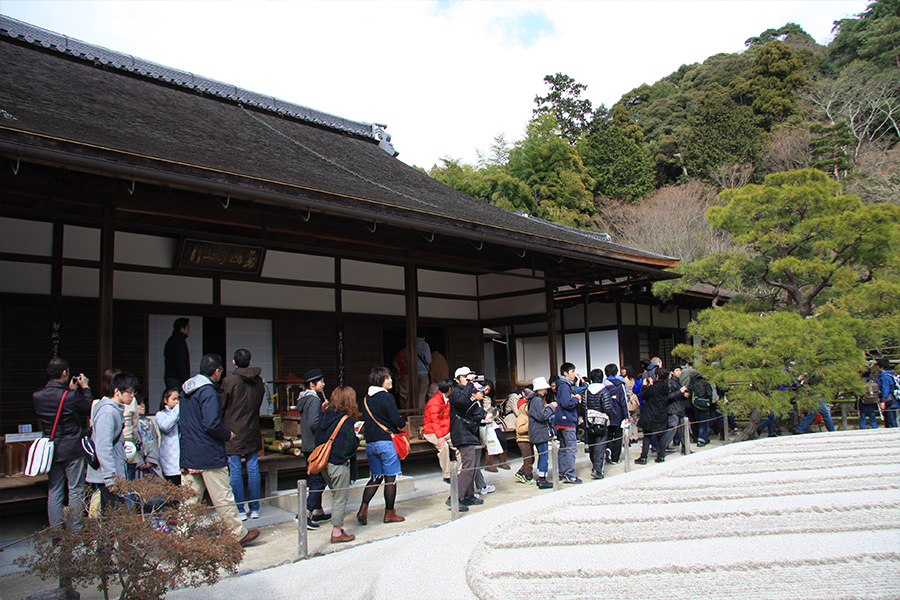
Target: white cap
column 462, row 371
column 540, row 383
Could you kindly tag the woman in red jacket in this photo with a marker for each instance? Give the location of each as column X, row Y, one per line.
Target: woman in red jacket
column 437, row 425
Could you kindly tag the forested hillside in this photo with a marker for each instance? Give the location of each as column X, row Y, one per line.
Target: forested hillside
column 647, row 168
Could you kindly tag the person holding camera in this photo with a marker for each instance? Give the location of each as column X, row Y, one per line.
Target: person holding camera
column 69, row 398
column 466, row 416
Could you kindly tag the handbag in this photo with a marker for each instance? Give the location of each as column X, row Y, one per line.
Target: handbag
column 401, row 440
column 40, row 454
column 319, row 456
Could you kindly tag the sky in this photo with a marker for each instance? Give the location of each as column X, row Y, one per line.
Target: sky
column 445, row 76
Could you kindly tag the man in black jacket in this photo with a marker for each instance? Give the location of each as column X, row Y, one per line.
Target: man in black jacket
column 465, row 419
column 68, row 460
column 176, row 354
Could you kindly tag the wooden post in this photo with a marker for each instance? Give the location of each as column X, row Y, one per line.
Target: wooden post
column 551, row 325
column 302, row 542
column 412, row 316
column 105, row 318
column 587, row 336
column 844, row 416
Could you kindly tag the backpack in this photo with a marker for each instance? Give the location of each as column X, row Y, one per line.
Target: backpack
column 596, row 421
column 896, row 391
column 701, row 393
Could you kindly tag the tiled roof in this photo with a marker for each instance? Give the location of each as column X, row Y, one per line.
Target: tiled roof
column 63, row 96
column 99, row 55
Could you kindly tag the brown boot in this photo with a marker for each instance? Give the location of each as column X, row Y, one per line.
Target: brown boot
column 391, row 516
column 362, row 517
column 489, row 464
column 503, row 464
column 343, row 537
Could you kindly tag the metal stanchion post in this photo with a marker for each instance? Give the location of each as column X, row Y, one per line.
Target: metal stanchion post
column 302, row 544
column 554, row 462
column 626, row 445
column 724, row 424
column 454, row 492
column 686, row 437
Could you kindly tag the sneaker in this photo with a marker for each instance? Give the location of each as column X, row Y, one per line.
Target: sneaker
column 252, row 534
column 640, row 461
column 447, row 480
column 462, row 507
column 701, row 443
column 609, row 454
column 322, row 516
column 572, row 480
column 488, row 489
column 254, row 514
column 243, row 515
column 311, row 525
column 521, row 478
column 660, row 459
column 543, row 484
column 473, row 501
column 596, row 475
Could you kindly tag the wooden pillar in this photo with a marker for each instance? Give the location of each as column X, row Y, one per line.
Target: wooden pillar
column 105, row 320
column 587, row 335
column 551, row 326
column 412, row 317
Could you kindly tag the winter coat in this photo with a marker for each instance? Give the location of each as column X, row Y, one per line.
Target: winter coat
column 566, row 407
column 886, row 387
column 107, row 420
column 655, row 407
column 617, row 404
column 437, row 416
column 169, row 440
column 522, row 424
column 465, row 416
column 539, row 428
column 383, row 408
column 310, row 406
column 131, row 431
column 203, row 436
column 676, row 398
column 177, row 358
column 242, row 395
column 345, row 442
column 67, row 439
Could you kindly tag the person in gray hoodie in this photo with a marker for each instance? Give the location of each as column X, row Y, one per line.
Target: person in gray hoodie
column 107, row 421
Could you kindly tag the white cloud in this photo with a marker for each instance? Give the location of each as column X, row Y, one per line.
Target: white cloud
column 446, row 77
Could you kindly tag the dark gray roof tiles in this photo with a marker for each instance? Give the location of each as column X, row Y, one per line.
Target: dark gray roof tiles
column 89, row 108
column 126, row 62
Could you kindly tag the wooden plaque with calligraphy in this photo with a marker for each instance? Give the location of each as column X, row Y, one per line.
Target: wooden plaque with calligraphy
column 216, row 256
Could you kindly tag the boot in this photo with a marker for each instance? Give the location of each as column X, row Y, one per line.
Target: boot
column 362, row 517
column 503, row 464
column 489, row 464
column 390, row 516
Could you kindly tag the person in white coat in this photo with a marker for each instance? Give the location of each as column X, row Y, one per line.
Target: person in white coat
column 169, row 443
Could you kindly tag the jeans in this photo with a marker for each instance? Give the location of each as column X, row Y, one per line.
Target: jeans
column 542, row 459
column 822, row 409
column 769, row 424
column 703, row 421
column 869, row 412
column 567, row 450
column 597, row 450
column 315, row 484
column 614, row 443
column 890, row 414
column 237, row 480
column 68, row 475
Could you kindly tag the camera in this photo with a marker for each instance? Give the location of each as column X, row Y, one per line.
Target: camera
column 479, row 378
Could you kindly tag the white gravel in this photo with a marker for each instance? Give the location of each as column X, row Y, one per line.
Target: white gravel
column 801, row 517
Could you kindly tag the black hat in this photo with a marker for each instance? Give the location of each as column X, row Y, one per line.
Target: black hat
column 312, row 375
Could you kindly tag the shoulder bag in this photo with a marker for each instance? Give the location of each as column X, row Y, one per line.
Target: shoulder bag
column 319, row 456
column 40, row 454
column 401, row 440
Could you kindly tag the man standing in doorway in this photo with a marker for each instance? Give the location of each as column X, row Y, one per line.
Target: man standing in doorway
column 72, row 401
column 203, row 458
column 423, row 367
column 242, row 395
column 177, row 357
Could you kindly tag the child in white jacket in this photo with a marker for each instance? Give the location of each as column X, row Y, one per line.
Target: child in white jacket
column 169, row 443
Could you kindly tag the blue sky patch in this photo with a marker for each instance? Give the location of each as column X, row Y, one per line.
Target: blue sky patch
column 525, row 29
